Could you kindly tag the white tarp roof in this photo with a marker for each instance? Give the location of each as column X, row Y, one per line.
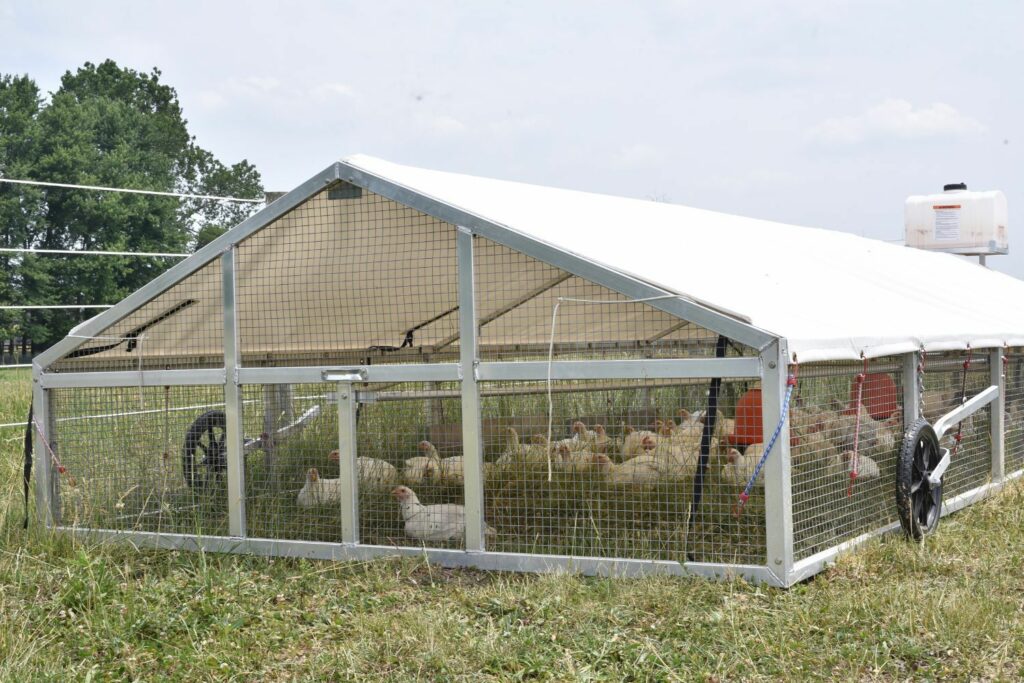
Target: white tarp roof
column 832, row 295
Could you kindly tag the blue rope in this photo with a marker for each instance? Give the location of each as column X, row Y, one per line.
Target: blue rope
column 790, row 385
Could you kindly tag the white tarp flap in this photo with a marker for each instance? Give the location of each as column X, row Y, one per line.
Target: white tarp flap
column 832, row 295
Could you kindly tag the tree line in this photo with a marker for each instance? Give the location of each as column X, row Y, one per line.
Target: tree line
column 111, row 126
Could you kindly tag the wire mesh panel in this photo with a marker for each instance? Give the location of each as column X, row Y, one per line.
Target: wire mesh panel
column 617, row 478
column 147, row 459
column 410, row 435
column 348, row 277
column 838, row 425
column 516, row 299
column 183, row 328
column 946, row 385
column 1014, row 417
column 291, row 436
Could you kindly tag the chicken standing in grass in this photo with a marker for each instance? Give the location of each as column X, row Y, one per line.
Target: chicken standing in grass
column 448, row 470
column 662, row 460
column 318, row 491
column 632, row 443
column 594, row 440
column 443, row 522
column 372, row 471
column 739, row 467
column 841, row 465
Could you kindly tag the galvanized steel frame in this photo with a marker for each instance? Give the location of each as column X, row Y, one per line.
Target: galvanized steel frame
column 778, row 493
column 472, row 431
column 235, row 437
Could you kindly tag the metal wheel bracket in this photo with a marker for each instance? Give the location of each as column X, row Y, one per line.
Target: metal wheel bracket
column 935, row 477
column 965, row 410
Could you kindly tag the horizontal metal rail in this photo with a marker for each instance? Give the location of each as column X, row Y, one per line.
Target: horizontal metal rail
column 492, row 561
column 689, row 368
column 133, row 378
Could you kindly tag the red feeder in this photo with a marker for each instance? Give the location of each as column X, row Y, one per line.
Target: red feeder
column 748, row 420
column 879, row 396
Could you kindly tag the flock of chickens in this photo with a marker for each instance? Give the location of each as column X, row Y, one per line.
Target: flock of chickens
column 819, row 438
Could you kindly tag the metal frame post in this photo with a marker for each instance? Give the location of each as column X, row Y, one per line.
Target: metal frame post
column 233, row 400
column 998, row 415
column 472, row 437
column 911, row 388
column 47, row 500
column 778, row 492
column 348, row 465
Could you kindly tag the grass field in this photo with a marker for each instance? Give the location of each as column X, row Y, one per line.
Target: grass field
column 952, row 609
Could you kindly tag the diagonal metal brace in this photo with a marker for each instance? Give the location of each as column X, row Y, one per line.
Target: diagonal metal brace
column 946, row 422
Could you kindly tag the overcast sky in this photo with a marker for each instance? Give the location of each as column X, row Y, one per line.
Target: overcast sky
column 813, row 112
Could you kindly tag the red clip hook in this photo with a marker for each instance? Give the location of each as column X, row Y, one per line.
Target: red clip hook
column 737, row 509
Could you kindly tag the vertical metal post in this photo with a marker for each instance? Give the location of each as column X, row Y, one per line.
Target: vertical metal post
column 911, row 389
column 233, row 400
column 472, row 438
column 347, row 463
column 778, row 492
column 47, row 501
column 998, row 421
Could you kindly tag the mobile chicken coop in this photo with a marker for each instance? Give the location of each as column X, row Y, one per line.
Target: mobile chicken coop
column 563, row 380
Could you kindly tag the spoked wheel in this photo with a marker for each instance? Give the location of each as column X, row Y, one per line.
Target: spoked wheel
column 204, row 453
column 918, row 501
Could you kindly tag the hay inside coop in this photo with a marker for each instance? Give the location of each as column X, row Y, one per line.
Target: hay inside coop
column 390, row 360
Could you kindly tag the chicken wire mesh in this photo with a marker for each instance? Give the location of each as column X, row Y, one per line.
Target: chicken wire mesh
column 515, row 315
column 947, row 383
column 623, row 459
column 181, row 329
column 291, row 431
column 348, row 277
column 840, row 424
column 127, row 453
column 410, row 434
column 1014, row 416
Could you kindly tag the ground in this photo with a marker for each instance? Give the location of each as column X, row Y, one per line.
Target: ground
column 952, row 608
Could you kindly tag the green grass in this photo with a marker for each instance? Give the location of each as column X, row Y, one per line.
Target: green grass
column 951, row 609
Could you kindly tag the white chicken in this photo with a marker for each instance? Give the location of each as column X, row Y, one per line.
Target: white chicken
column 318, row 491
column 632, row 444
column 372, row 471
column 443, row 522
column 594, row 440
column 568, row 460
column 841, row 465
column 661, row 460
column 739, row 467
column 448, row 470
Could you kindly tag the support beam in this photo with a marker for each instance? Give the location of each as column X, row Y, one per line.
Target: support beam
column 647, row 368
column 550, row 284
column 778, row 494
column 348, row 465
column 911, row 388
column 998, row 415
column 666, row 332
column 47, row 502
column 472, row 436
column 233, row 400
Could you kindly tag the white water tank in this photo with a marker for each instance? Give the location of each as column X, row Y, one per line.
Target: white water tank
column 958, row 221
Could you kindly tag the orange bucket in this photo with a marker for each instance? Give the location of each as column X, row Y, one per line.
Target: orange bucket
column 749, row 428
column 879, row 396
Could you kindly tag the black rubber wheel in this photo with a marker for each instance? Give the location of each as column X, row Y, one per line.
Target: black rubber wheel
column 204, row 453
column 919, row 502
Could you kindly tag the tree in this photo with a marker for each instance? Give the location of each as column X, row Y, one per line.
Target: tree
column 112, row 126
